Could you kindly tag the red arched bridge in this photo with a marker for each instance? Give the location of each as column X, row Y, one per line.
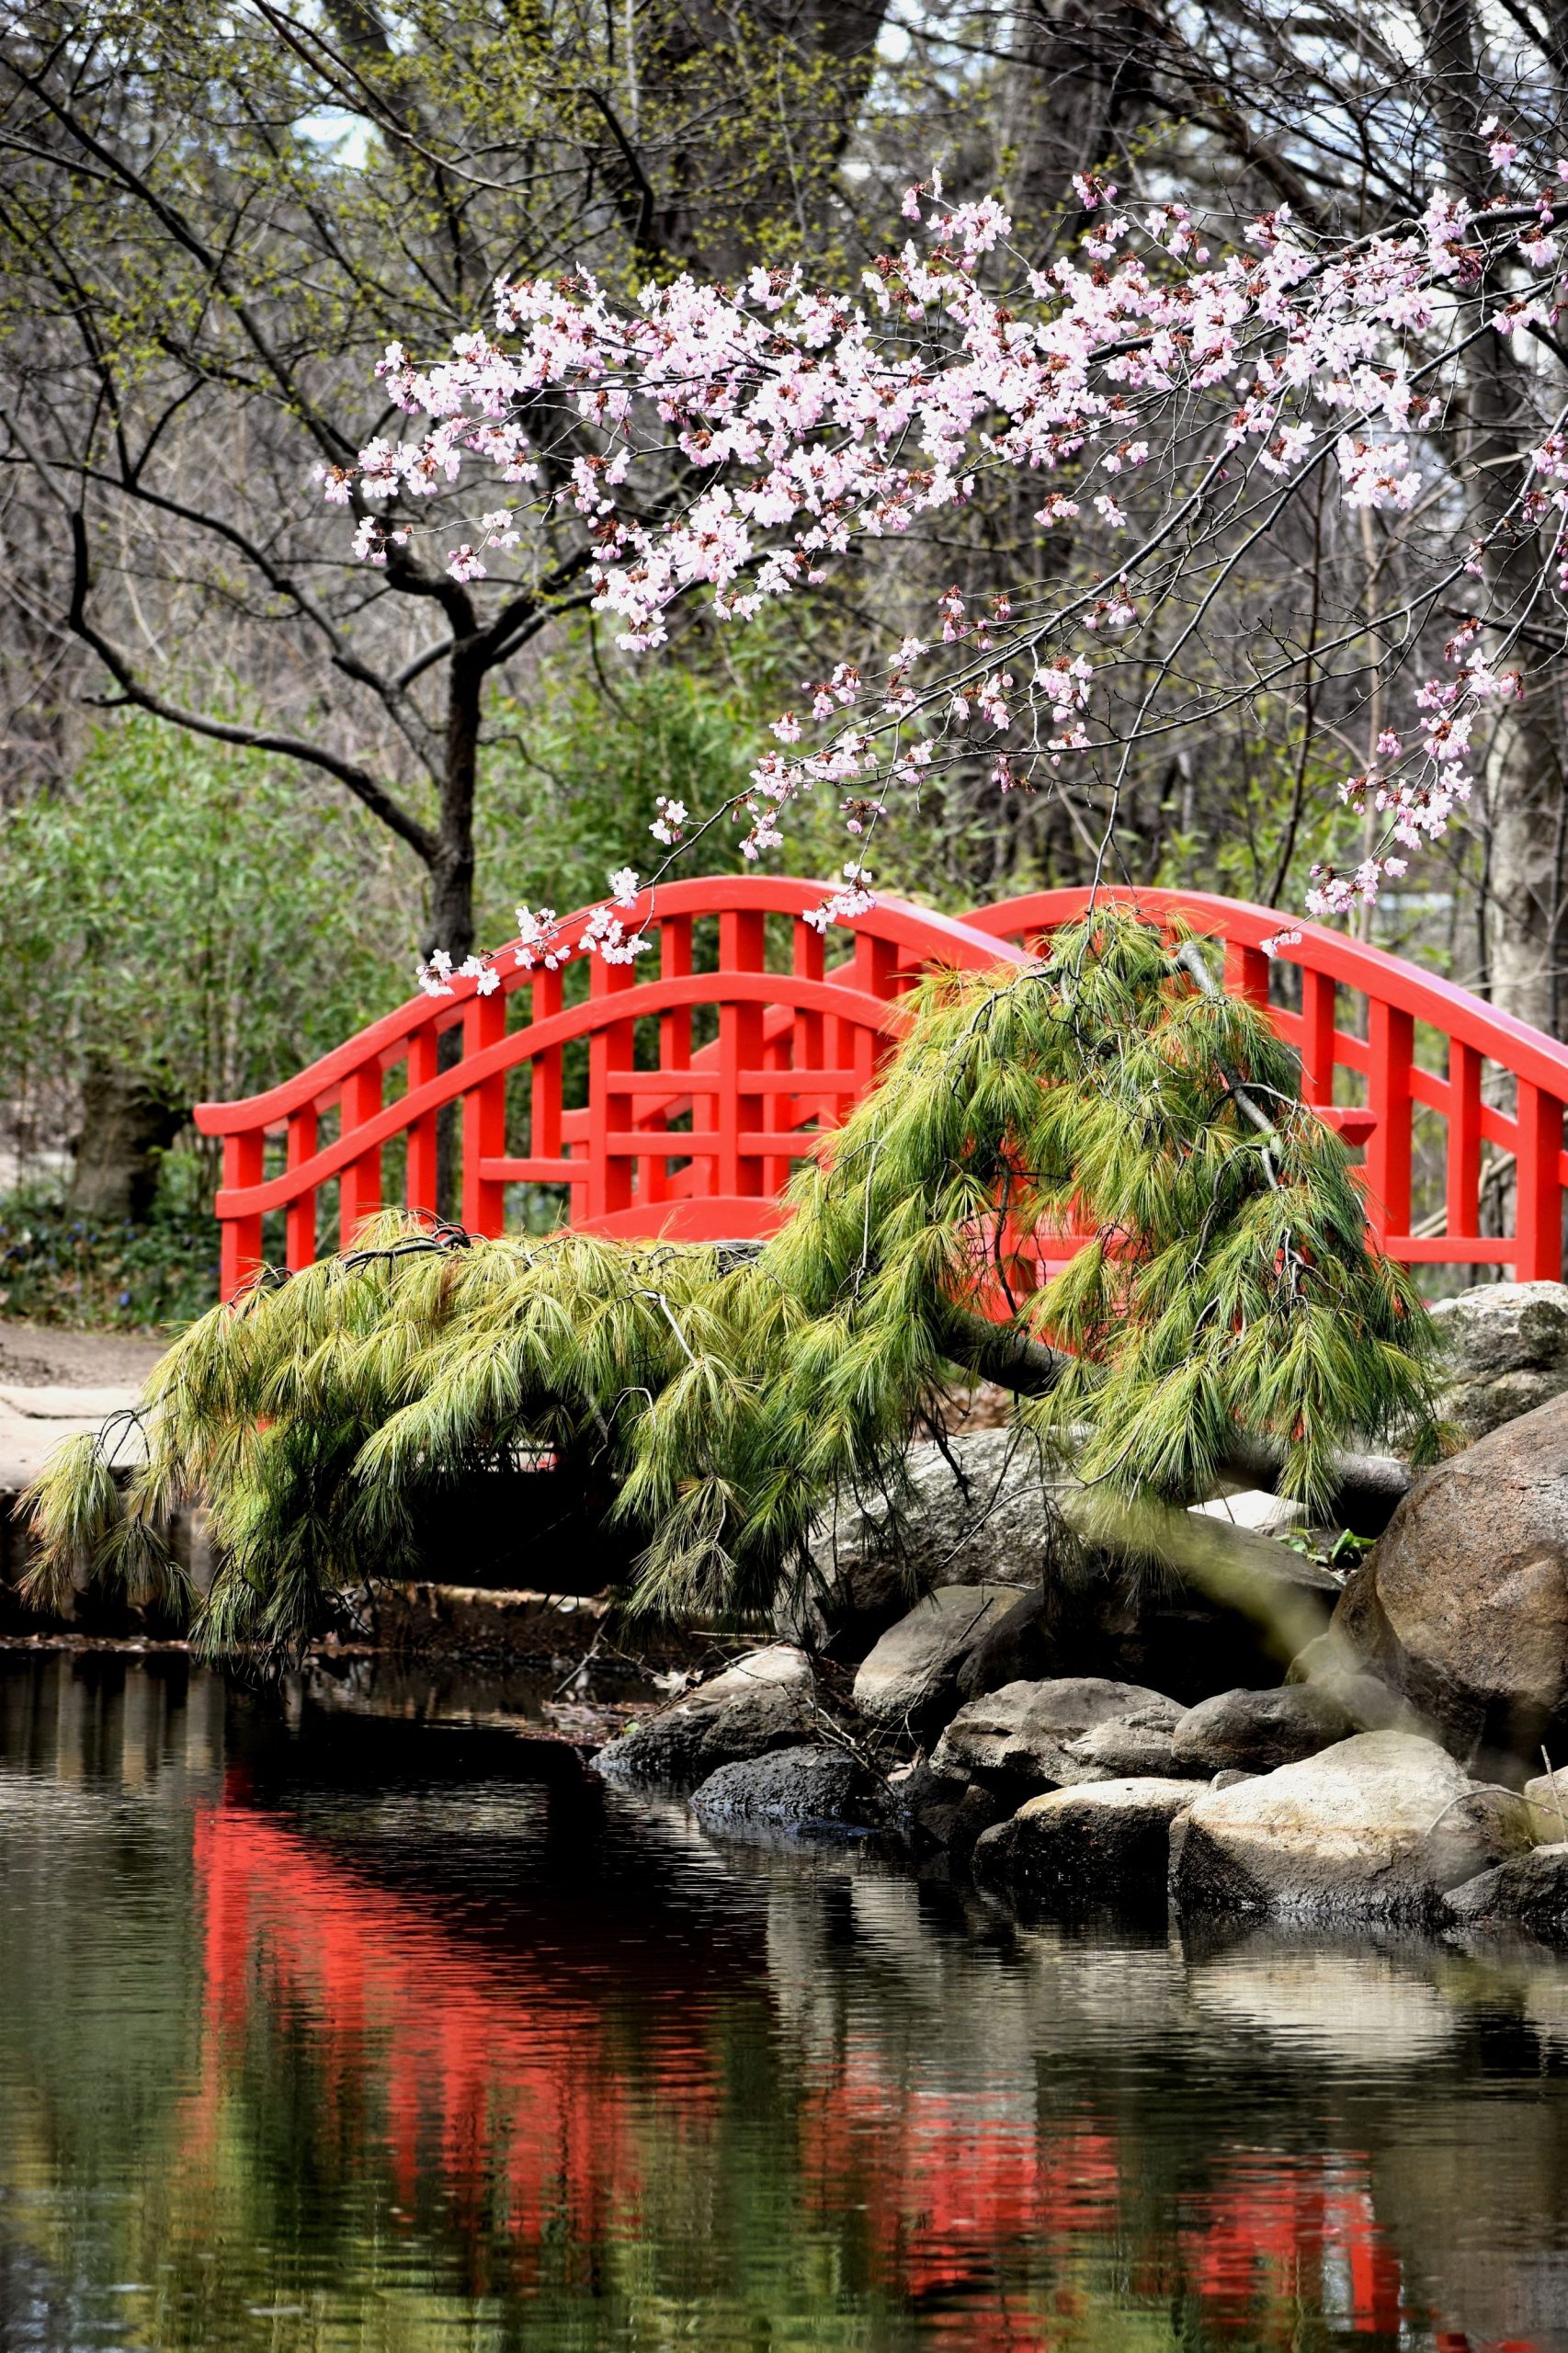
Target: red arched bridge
column 673, row 1095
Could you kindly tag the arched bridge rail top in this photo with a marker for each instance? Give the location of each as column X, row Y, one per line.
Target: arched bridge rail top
column 1384, row 979
column 923, row 937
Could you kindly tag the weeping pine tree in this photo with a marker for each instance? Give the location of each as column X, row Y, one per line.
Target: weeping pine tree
column 1228, row 1304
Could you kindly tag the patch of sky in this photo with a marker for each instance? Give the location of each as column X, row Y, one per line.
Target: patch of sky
column 344, row 135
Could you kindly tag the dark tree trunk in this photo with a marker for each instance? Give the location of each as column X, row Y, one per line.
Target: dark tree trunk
column 125, row 1127
column 1523, row 765
column 451, row 895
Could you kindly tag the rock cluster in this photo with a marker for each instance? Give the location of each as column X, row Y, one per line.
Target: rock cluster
column 981, row 1512
column 964, row 1674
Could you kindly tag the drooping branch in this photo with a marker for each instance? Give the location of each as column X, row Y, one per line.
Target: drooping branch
column 1362, row 1489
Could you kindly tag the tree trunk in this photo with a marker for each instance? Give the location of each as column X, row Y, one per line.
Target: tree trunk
column 1523, row 768
column 125, row 1127
column 714, row 172
column 1080, row 92
column 451, row 898
column 1524, row 792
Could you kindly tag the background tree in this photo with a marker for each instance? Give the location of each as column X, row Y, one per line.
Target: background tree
column 1352, row 118
column 215, row 225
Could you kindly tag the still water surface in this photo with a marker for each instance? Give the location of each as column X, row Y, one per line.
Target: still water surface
column 358, row 2030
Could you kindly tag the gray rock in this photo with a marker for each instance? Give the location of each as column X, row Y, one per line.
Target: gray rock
column 1376, row 1827
column 1508, row 1352
column 1463, row 1607
column 1530, row 1892
column 1019, row 1737
column 1547, row 1798
column 1107, row 1840
column 1024, row 1646
column 1370, row 1703
column 763, row 1702
column 1254, row 1731
column 908, row 1683
column 1231, row 1609
column 1133, row 1747
column 800, row 1788
column 978, row 1512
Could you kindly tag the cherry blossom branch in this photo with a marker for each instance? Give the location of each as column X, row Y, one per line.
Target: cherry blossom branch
column 741, row 442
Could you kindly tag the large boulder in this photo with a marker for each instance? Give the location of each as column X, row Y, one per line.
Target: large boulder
column 1463, row 1606
column 1529, row 1890
column 1106, row 1841
column 1018, row 1739
column 801, row 1789
column 1254, row 1732
column 1023, row 1646
column 978, row 1510
column 908, row 1683
column 764, row 1702
column 1508, row 1346
column 983, row 1509
column 1376, row 1827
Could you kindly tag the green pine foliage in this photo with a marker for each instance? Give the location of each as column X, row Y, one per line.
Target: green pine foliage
column 1112, row 1088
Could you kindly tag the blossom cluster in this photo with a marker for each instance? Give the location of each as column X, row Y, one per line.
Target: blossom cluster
column 1420, row 776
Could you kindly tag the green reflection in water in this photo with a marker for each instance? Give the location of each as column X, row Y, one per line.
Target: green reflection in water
column 375, row 2033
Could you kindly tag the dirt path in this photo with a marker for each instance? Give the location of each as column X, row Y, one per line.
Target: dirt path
column 54, row 1384
column 34, row 1356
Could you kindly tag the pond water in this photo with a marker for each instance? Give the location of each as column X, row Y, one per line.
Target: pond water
column 330, row 2028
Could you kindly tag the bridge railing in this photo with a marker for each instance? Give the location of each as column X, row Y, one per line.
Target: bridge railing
column 714, row 1062
column 710, row 1066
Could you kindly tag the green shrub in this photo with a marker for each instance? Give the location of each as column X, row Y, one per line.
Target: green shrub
column 57, row 1268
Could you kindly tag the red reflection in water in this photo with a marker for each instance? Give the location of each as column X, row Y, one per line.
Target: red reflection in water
column 495, row 2071
column 1283, row 2231
column 504, row 2082
column 950, row 2192
column 953, row 2197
